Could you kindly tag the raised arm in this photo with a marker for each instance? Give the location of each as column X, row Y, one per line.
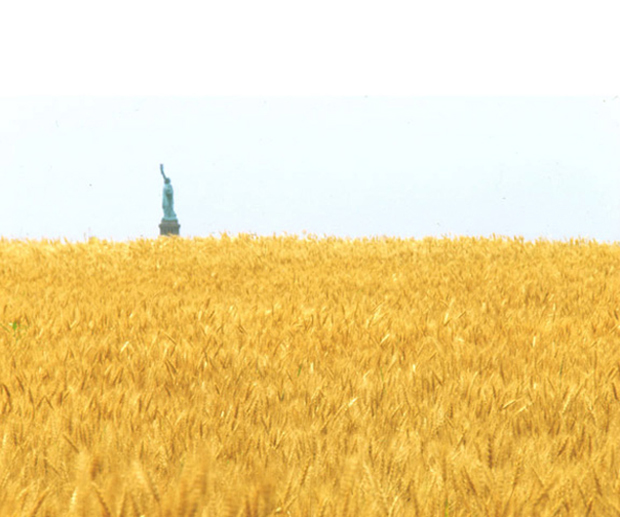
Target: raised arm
column 161, row 168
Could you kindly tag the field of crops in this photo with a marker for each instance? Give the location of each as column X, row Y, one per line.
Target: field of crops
column 309, row 377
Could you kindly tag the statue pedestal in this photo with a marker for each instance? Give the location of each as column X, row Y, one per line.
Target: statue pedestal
column 169, row 227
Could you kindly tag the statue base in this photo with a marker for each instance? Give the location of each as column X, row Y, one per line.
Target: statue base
column 169, row 227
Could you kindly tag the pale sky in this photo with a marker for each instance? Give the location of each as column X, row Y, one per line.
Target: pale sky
column 337, row 118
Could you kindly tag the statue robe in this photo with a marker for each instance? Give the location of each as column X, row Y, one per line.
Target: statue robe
column 168, row 203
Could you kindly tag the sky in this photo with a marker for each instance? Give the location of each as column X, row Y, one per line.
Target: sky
column 352, row 119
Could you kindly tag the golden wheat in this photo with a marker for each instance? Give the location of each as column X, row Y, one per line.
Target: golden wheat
column 247, row 376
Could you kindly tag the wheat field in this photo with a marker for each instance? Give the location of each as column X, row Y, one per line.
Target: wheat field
column 304, row 376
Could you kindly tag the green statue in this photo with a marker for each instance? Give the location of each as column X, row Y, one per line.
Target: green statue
column 168, row 201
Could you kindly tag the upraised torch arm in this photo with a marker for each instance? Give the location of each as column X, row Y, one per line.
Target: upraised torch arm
column 161, row 169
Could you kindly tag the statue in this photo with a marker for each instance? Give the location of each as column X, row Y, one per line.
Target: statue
column 169, row 223
column 168, row 200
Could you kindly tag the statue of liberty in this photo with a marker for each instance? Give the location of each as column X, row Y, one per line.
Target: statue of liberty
column 168, row 198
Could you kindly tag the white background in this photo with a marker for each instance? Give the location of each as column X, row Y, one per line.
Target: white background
column 339, row 118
